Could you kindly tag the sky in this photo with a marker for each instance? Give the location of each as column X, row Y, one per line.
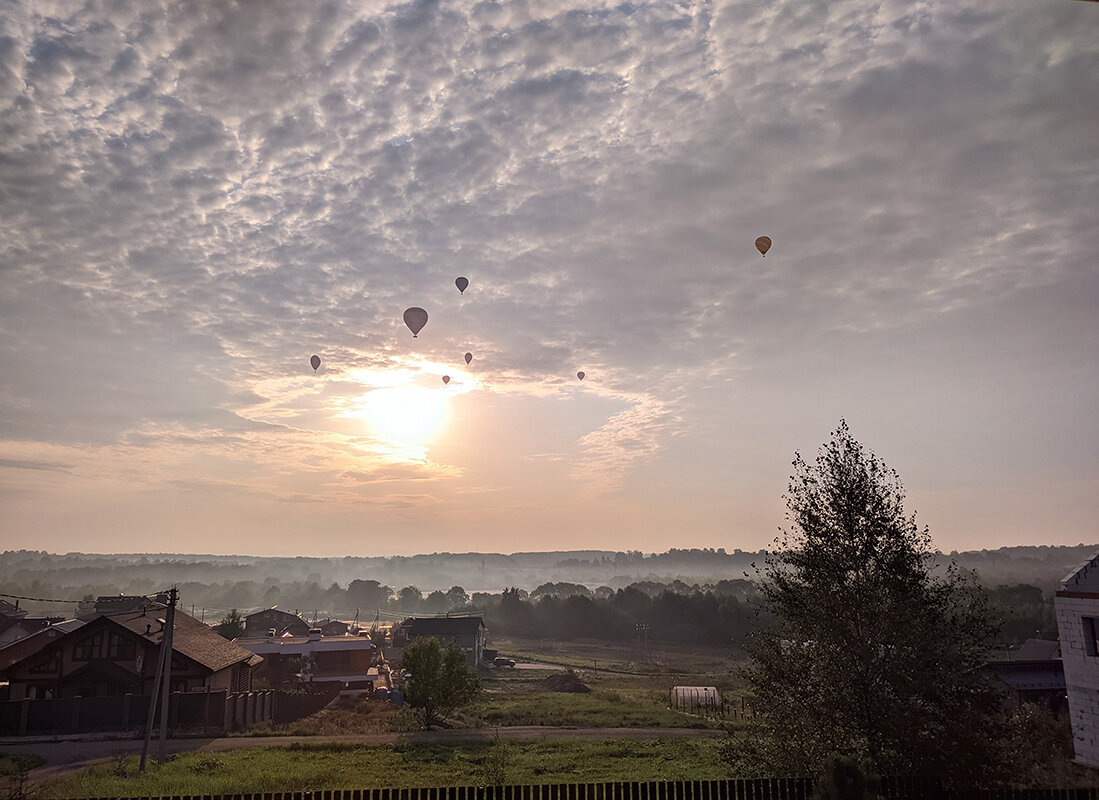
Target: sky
column 195, row 198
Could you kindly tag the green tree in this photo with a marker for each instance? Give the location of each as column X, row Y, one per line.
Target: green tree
column 871, row 656
column 231, row 625
column 440, row 681
column 457, row 597
column 368, row 594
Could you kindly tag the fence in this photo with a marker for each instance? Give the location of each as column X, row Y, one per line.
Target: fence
column 208, row 712
column 751, row 789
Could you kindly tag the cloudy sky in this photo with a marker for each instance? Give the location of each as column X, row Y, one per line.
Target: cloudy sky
column 197, row 197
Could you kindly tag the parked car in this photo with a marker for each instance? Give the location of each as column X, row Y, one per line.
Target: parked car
column 500, row 661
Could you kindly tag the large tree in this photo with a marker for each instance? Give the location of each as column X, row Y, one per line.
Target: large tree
column 439, row 680
column 871, row 654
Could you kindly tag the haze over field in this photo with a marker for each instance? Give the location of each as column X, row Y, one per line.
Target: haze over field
column 195, row 199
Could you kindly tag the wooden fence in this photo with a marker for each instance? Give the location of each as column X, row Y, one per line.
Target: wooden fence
column 745, row 789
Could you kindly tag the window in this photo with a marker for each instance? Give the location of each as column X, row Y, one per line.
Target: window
column 121, row 647
column 49, row 665
column 1091, row 646
column 89, row 648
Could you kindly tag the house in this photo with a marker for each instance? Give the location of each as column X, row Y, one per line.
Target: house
column 1034, row 673
column 11, row 652
column 10, row 612
column 290, row 662
column 119, row 604
column 117, row 654
column 1077, row 608
column 24, row 627
column 333, row 627
column 259, row 623
column 468, row 634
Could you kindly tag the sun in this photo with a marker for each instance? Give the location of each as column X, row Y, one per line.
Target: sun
column 405, row 414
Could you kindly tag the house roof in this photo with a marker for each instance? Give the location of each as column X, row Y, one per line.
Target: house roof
column 191, row 638
column 1083, row 578
column 1030, row 675
column 444, row 626
column 1038, row 650
column 304, row 644
column 278, row 612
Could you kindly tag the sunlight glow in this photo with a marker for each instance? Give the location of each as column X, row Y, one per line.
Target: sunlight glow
column 405, row 414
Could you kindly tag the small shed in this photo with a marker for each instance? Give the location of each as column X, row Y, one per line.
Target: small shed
column 695, row 697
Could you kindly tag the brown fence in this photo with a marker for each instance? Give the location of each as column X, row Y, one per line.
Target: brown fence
column 207, row 712
column 752, row 789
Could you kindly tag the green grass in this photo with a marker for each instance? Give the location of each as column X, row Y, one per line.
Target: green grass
column 331, row 766
column 602, row 708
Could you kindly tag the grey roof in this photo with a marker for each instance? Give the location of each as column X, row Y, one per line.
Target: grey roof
column 444, row 626
column 1084, row 577
column 1038, row 650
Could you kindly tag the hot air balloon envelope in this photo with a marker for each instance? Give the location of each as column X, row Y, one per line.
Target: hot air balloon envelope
column 315, row 362
column 763, row 244
column 469, row 357
column 446, row 380
column 462, row 284
column 580, row 375
column 415, row 318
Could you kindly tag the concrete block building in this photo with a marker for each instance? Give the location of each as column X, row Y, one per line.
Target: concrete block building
column 1077, row 607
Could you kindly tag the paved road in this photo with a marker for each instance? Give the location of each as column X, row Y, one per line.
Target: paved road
column 71, row 755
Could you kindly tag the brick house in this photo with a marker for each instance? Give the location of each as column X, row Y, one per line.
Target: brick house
column 1077, row 607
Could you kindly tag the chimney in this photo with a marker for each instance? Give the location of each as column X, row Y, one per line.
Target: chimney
column 148, row 628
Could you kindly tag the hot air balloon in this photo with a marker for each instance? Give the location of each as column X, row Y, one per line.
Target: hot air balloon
column 763, row 244
column 315, row 362
column 446, row 380
column 580, row 375
column 469, row 357
column 462, row 284
column 415, row 318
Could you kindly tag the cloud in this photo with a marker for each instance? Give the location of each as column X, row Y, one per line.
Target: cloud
column 194, row 201
column 13, row 463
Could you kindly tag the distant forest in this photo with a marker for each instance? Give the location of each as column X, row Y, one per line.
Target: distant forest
column 699, row 595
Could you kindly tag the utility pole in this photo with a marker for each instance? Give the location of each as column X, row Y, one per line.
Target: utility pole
column 163, row 676
column 643, row 642
column 165, row 690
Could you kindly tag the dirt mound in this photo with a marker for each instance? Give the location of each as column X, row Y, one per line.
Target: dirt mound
column 565, row 682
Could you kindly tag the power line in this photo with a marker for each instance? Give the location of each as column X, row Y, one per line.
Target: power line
column 38, row 599
column 56, row 600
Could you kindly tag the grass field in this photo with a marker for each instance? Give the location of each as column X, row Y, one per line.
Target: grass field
column 519, row 697
column 320, row 766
